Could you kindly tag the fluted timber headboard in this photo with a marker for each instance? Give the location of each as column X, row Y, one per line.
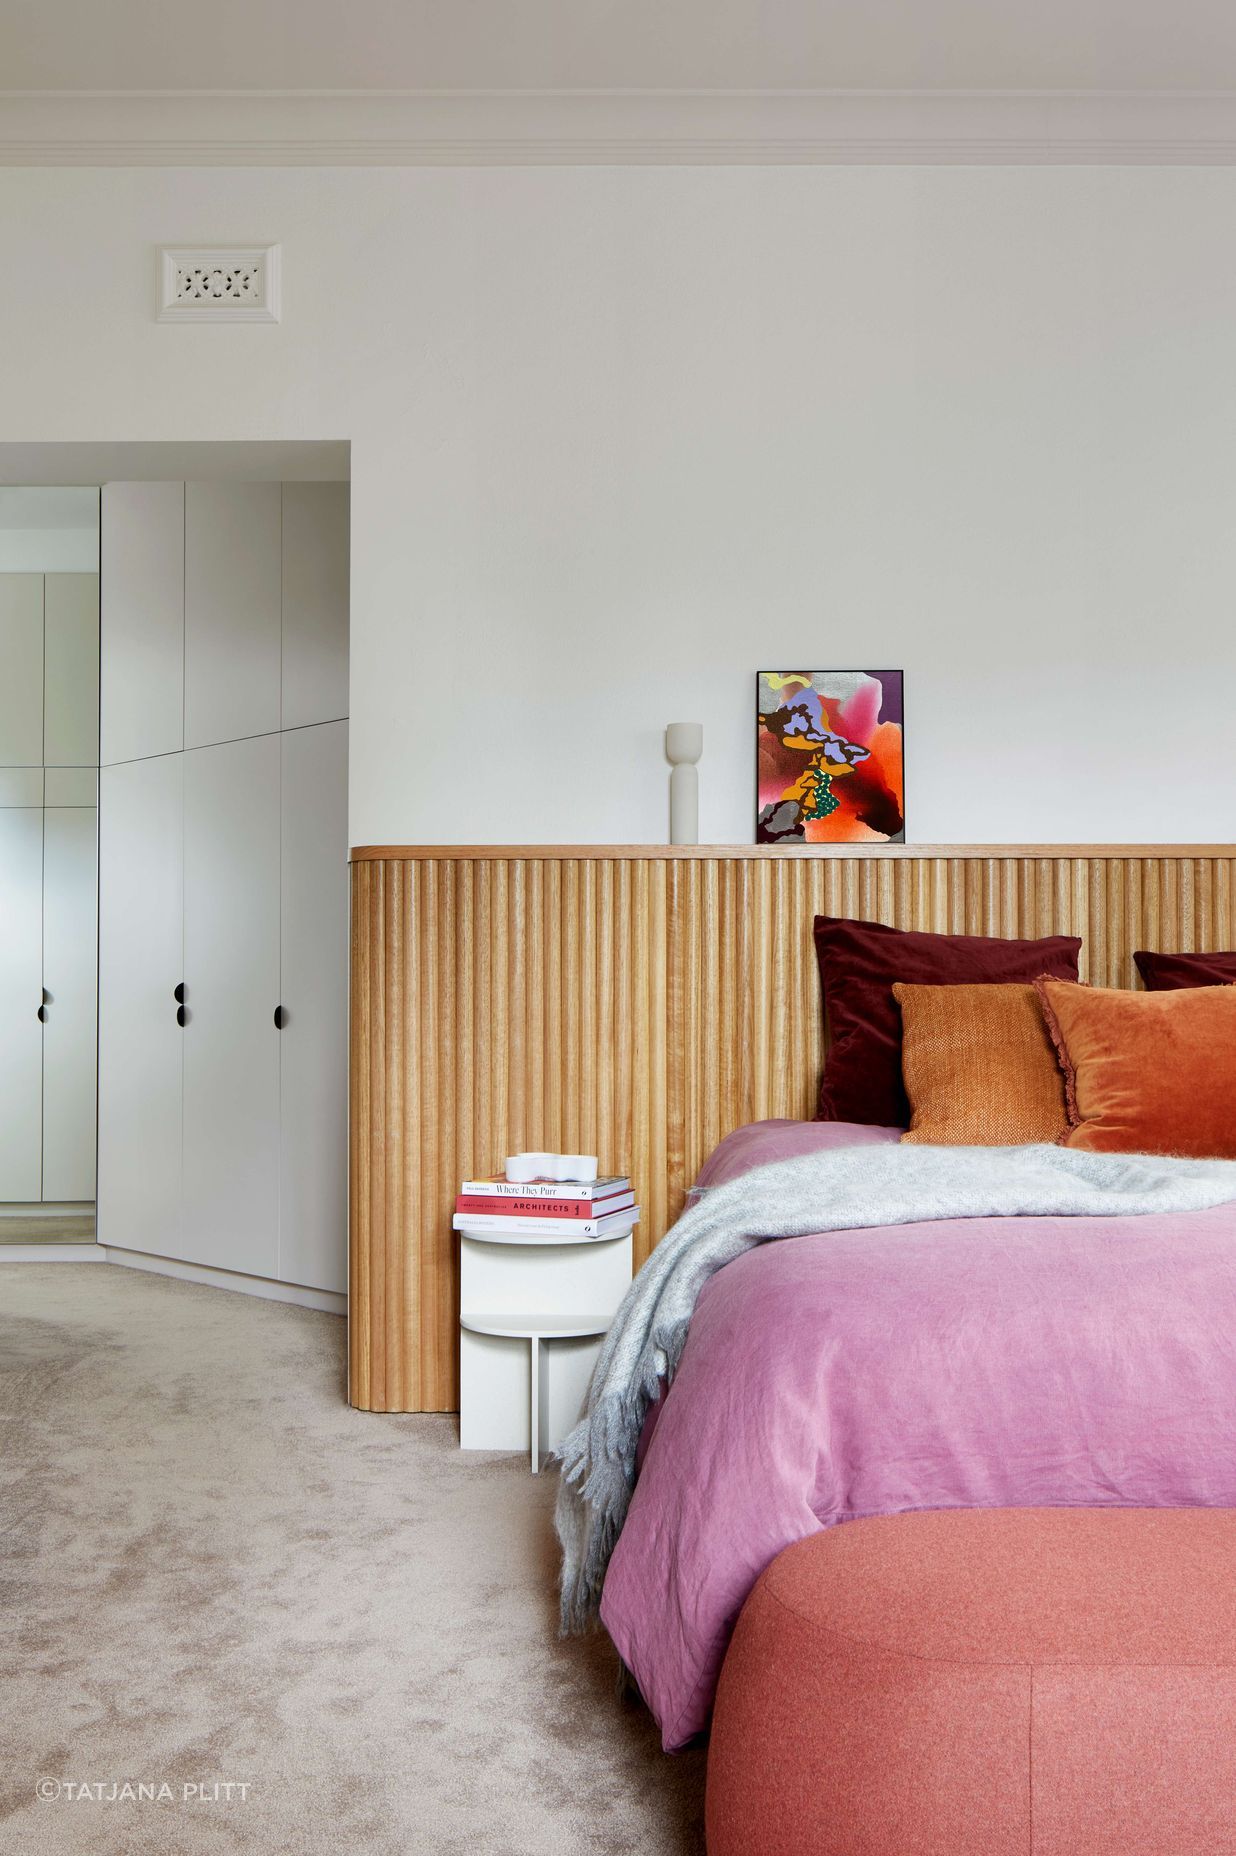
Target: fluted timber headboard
column 639, row 1002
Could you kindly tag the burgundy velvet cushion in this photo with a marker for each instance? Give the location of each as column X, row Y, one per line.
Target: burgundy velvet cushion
column 1171, row 972
column 860, row 962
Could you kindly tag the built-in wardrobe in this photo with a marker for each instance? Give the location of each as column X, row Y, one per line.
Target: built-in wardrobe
column 223, row 900
column 49, row 732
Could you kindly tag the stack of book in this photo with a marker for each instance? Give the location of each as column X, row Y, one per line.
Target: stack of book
column 545, row 1207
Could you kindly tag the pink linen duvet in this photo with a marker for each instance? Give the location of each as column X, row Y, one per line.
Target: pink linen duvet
column 964, row 1363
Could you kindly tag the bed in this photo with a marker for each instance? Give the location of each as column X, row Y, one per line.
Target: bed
column 685, row 1004
column 966, row 1363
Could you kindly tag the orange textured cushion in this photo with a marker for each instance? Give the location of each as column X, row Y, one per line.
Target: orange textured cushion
column 979, row 1067
column 1147, row 1073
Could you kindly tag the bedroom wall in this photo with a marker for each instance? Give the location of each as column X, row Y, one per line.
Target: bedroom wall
column 622, row 436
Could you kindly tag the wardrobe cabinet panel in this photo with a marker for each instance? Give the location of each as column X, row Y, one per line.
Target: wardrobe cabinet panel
column 142, row 619
column 21, row 786
column 71, row 786
column 223, row 811
column 313, row 1208
column 21, row 980
column 232, row 611
column 69, row 981
column 71, row 670
column 21, row 654
column 231, row 1045
column 141, row 962
column 315, row 602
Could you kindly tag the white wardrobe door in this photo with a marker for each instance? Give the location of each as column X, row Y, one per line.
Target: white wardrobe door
column 142, row 618
column 315, row 602
column 232, row 622
column 21, row 981
column 313, row 1191
column 71, row 670
column 231, row 1045
column 69, row 1037
column 141, row 962
column 21, row 786
column 21, row 655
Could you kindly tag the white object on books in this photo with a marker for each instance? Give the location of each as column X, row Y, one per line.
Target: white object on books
column 533, row 1309
column 521, row 1169
column 579, row 1168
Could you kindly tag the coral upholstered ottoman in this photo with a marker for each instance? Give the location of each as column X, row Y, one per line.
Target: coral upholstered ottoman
column 1045, row 1681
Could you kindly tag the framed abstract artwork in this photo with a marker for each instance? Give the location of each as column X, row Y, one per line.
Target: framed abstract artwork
column 829, row 764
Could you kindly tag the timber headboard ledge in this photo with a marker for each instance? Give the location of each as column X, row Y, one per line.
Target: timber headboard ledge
column 638, row 1002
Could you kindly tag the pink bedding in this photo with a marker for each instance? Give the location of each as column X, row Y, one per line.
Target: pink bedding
column 965, row 1363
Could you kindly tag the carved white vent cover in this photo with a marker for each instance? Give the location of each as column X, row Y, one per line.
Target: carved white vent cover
column 207, row 283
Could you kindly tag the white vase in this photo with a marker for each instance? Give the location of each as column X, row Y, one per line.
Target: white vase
column 684, row 743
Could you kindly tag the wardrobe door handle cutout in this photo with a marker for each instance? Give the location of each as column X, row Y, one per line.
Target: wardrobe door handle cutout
column 182, row 1017
column 42, row 1014
column 281, row 1018
column 178, row 993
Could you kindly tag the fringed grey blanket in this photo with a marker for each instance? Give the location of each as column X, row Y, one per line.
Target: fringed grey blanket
column 841, row 1189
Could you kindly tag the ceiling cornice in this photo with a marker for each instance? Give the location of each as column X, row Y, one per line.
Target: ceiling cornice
column 548, row 128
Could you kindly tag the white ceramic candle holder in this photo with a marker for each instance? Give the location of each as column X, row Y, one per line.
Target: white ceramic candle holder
column 578, row 1169
column 684, row 743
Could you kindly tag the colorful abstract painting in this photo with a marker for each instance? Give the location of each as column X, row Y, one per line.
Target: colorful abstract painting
column 829, row 757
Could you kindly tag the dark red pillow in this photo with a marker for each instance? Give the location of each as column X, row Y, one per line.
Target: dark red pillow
column 1169, row 972
column 859, row 964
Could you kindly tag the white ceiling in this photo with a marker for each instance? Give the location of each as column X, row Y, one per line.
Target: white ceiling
column 1144, row 45
column 453, row 82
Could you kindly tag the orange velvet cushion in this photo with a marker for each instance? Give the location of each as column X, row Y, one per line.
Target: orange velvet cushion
column 1147, row 1073
column 979, row 1067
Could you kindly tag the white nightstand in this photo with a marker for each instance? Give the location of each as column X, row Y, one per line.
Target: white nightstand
column 532, row 1312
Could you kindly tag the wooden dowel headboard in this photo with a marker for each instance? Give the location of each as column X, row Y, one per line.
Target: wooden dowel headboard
column 639, row 1002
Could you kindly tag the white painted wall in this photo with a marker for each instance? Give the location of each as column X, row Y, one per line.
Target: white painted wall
column 621, row 436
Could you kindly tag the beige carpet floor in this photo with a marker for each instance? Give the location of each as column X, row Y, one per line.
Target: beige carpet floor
column 213, row 1573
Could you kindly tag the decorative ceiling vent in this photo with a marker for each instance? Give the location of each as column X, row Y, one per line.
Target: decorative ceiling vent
column 208, row 283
